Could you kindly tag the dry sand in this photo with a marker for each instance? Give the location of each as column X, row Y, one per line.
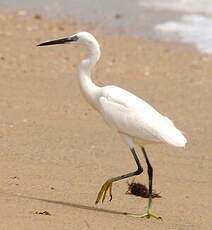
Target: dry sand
column 56, row 151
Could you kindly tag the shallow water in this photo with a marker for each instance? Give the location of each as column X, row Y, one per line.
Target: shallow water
column 188, row 21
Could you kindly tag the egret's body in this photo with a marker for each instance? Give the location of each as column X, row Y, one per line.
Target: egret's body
column 135, row 120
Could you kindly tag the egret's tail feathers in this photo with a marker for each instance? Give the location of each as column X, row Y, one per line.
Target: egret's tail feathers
column 175, row 138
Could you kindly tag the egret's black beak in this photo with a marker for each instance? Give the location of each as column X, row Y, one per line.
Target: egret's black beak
column 60, row 41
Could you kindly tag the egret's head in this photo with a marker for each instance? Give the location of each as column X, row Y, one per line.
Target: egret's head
column 81, row 37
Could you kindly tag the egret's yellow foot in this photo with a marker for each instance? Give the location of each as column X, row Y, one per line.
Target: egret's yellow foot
column 148, row 214
column 107, row 186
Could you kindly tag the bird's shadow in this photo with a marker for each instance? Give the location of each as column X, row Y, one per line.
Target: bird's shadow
column 74, row 205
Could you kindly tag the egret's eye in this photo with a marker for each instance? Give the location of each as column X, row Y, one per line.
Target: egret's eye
column 73, row 38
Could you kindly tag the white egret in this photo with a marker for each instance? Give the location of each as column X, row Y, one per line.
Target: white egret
column 134, row 119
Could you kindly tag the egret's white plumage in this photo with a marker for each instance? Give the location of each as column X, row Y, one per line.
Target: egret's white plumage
column 127, row 113
column 137, row 121
column 132, row 116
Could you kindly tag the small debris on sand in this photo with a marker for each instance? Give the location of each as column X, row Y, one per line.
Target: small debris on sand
column 141, row 190
column 42, row 213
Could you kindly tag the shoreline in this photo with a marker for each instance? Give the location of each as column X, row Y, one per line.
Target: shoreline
column 149, row 23
column 105, row 30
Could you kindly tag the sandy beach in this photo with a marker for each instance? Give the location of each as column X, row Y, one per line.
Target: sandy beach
column 56, row 151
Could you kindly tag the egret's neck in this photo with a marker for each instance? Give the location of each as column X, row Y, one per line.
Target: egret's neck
column 89, row 89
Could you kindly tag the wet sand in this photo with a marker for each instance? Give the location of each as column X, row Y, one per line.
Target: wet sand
column 56, row 151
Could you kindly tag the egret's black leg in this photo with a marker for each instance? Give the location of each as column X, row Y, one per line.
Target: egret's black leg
column 108, row 184
column 150, row 174
column 148, row 213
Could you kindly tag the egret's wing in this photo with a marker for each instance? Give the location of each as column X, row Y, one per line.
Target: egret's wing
column 125, row 120
column 133, row 116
